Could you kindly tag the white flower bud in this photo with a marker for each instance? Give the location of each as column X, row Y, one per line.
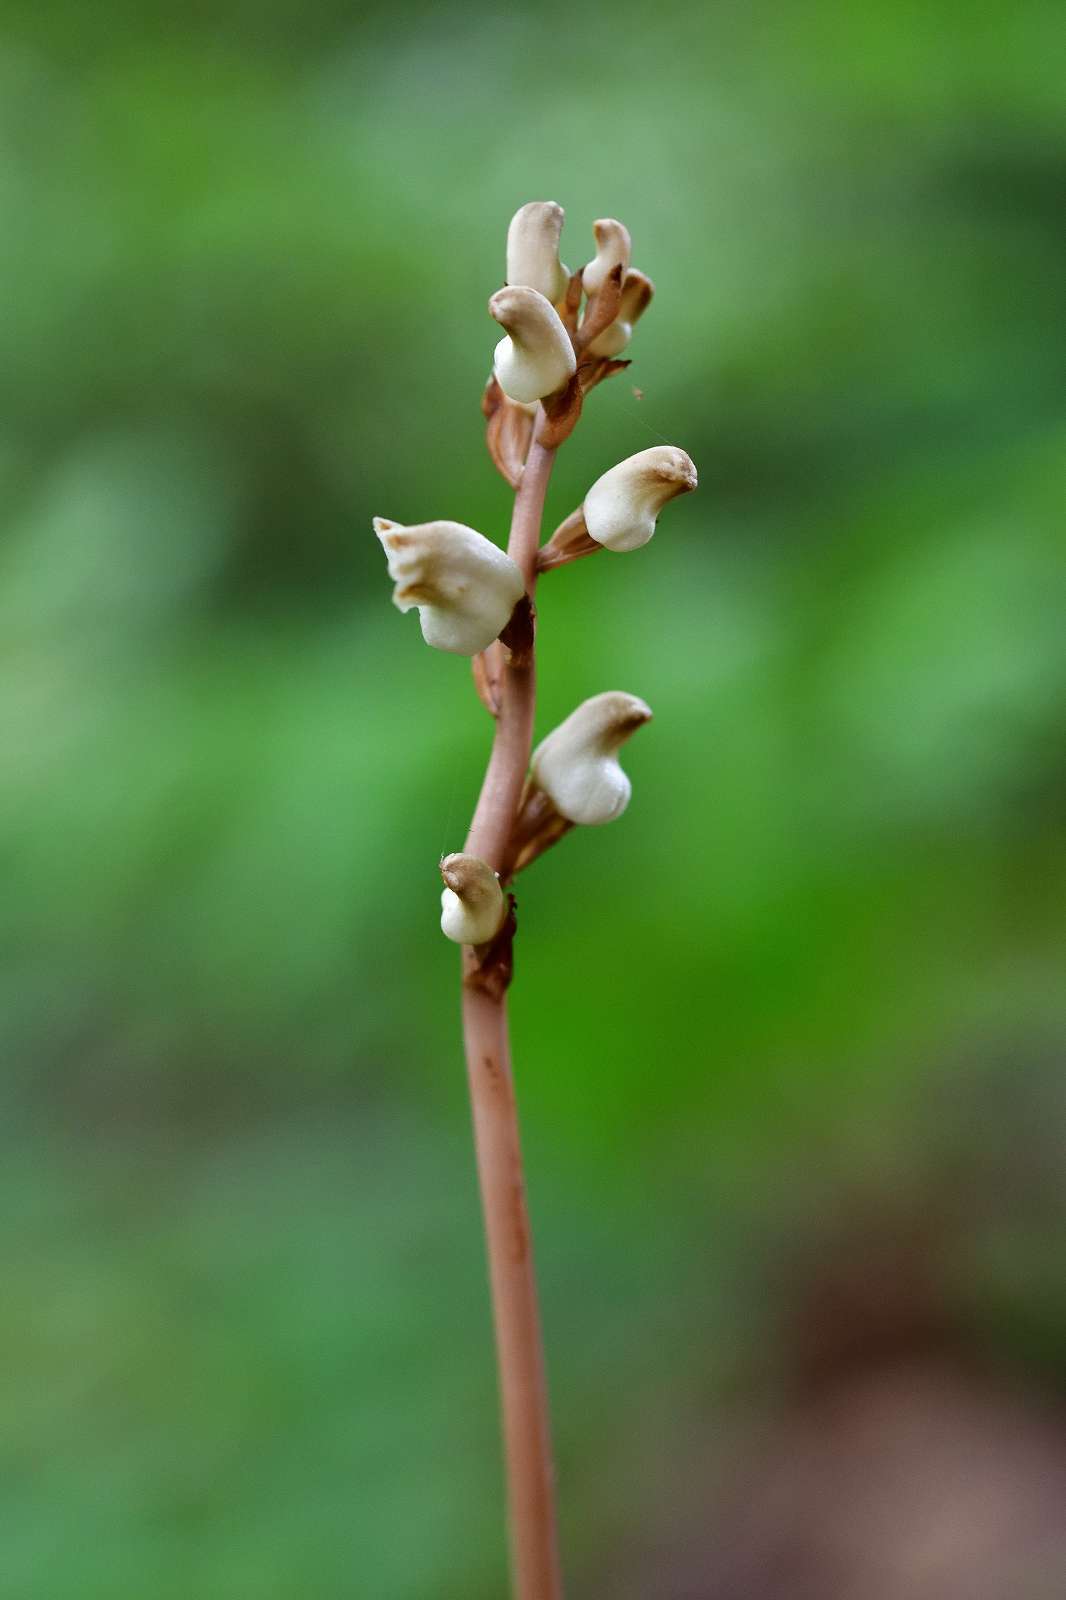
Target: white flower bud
column 613, row 245
column 577, row 764
column 637, row 291
column 621, row 508
column 537, row 357
column 533, row 249
column 464, row 586
column 472, row 903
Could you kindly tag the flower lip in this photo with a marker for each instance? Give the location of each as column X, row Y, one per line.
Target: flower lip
column 577, row 764
column 613, row 246
column 465, row 587
column 623, row 506
column 536, row 356
column 533, row 249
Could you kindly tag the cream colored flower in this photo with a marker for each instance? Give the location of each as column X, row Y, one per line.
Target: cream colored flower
column 533, row 249
column 622, row 507
column 577, row 764
column 464, row 586
column 613, row 246
column 536, row 358
column 472, row 903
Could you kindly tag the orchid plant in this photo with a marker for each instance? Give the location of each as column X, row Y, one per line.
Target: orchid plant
column 564, row 333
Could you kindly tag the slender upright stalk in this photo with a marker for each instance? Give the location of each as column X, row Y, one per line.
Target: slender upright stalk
column 519, row 1348
column 476, row 601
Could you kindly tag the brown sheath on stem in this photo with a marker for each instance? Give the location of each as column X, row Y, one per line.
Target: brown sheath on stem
column 519, row 1347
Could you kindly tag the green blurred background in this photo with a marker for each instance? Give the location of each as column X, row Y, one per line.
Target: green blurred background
column 788, row 1039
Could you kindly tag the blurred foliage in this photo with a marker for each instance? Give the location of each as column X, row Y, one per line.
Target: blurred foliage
column 244, row 268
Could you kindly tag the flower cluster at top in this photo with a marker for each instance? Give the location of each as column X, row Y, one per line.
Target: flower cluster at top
column 564, row 333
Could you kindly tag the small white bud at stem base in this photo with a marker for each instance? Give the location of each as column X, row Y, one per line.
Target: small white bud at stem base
column 622, row 508
column 472, row 903
column 465, row 587
column 577, row 764
column 536, row 358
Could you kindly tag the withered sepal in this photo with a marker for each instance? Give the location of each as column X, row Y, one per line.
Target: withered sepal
column 595, row 369
column 561, row 411
column 538, row 825
column 570, row 541
column 519, row 634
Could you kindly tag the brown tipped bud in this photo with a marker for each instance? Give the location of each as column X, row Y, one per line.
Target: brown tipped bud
column 533, row 249
column 613, row 246
column 472, row 903
column 622, row 507
column 577, row 764
column 637, row 291
column 536, row 358
column 464, row 586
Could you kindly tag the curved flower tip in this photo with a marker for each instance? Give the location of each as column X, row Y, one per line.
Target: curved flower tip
column 536, row 358
column 637, row 291
column 622, row 507
column 613, row 246
column 472, row 903
column 464, row 586
column 577, row 764
column 533, row 249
